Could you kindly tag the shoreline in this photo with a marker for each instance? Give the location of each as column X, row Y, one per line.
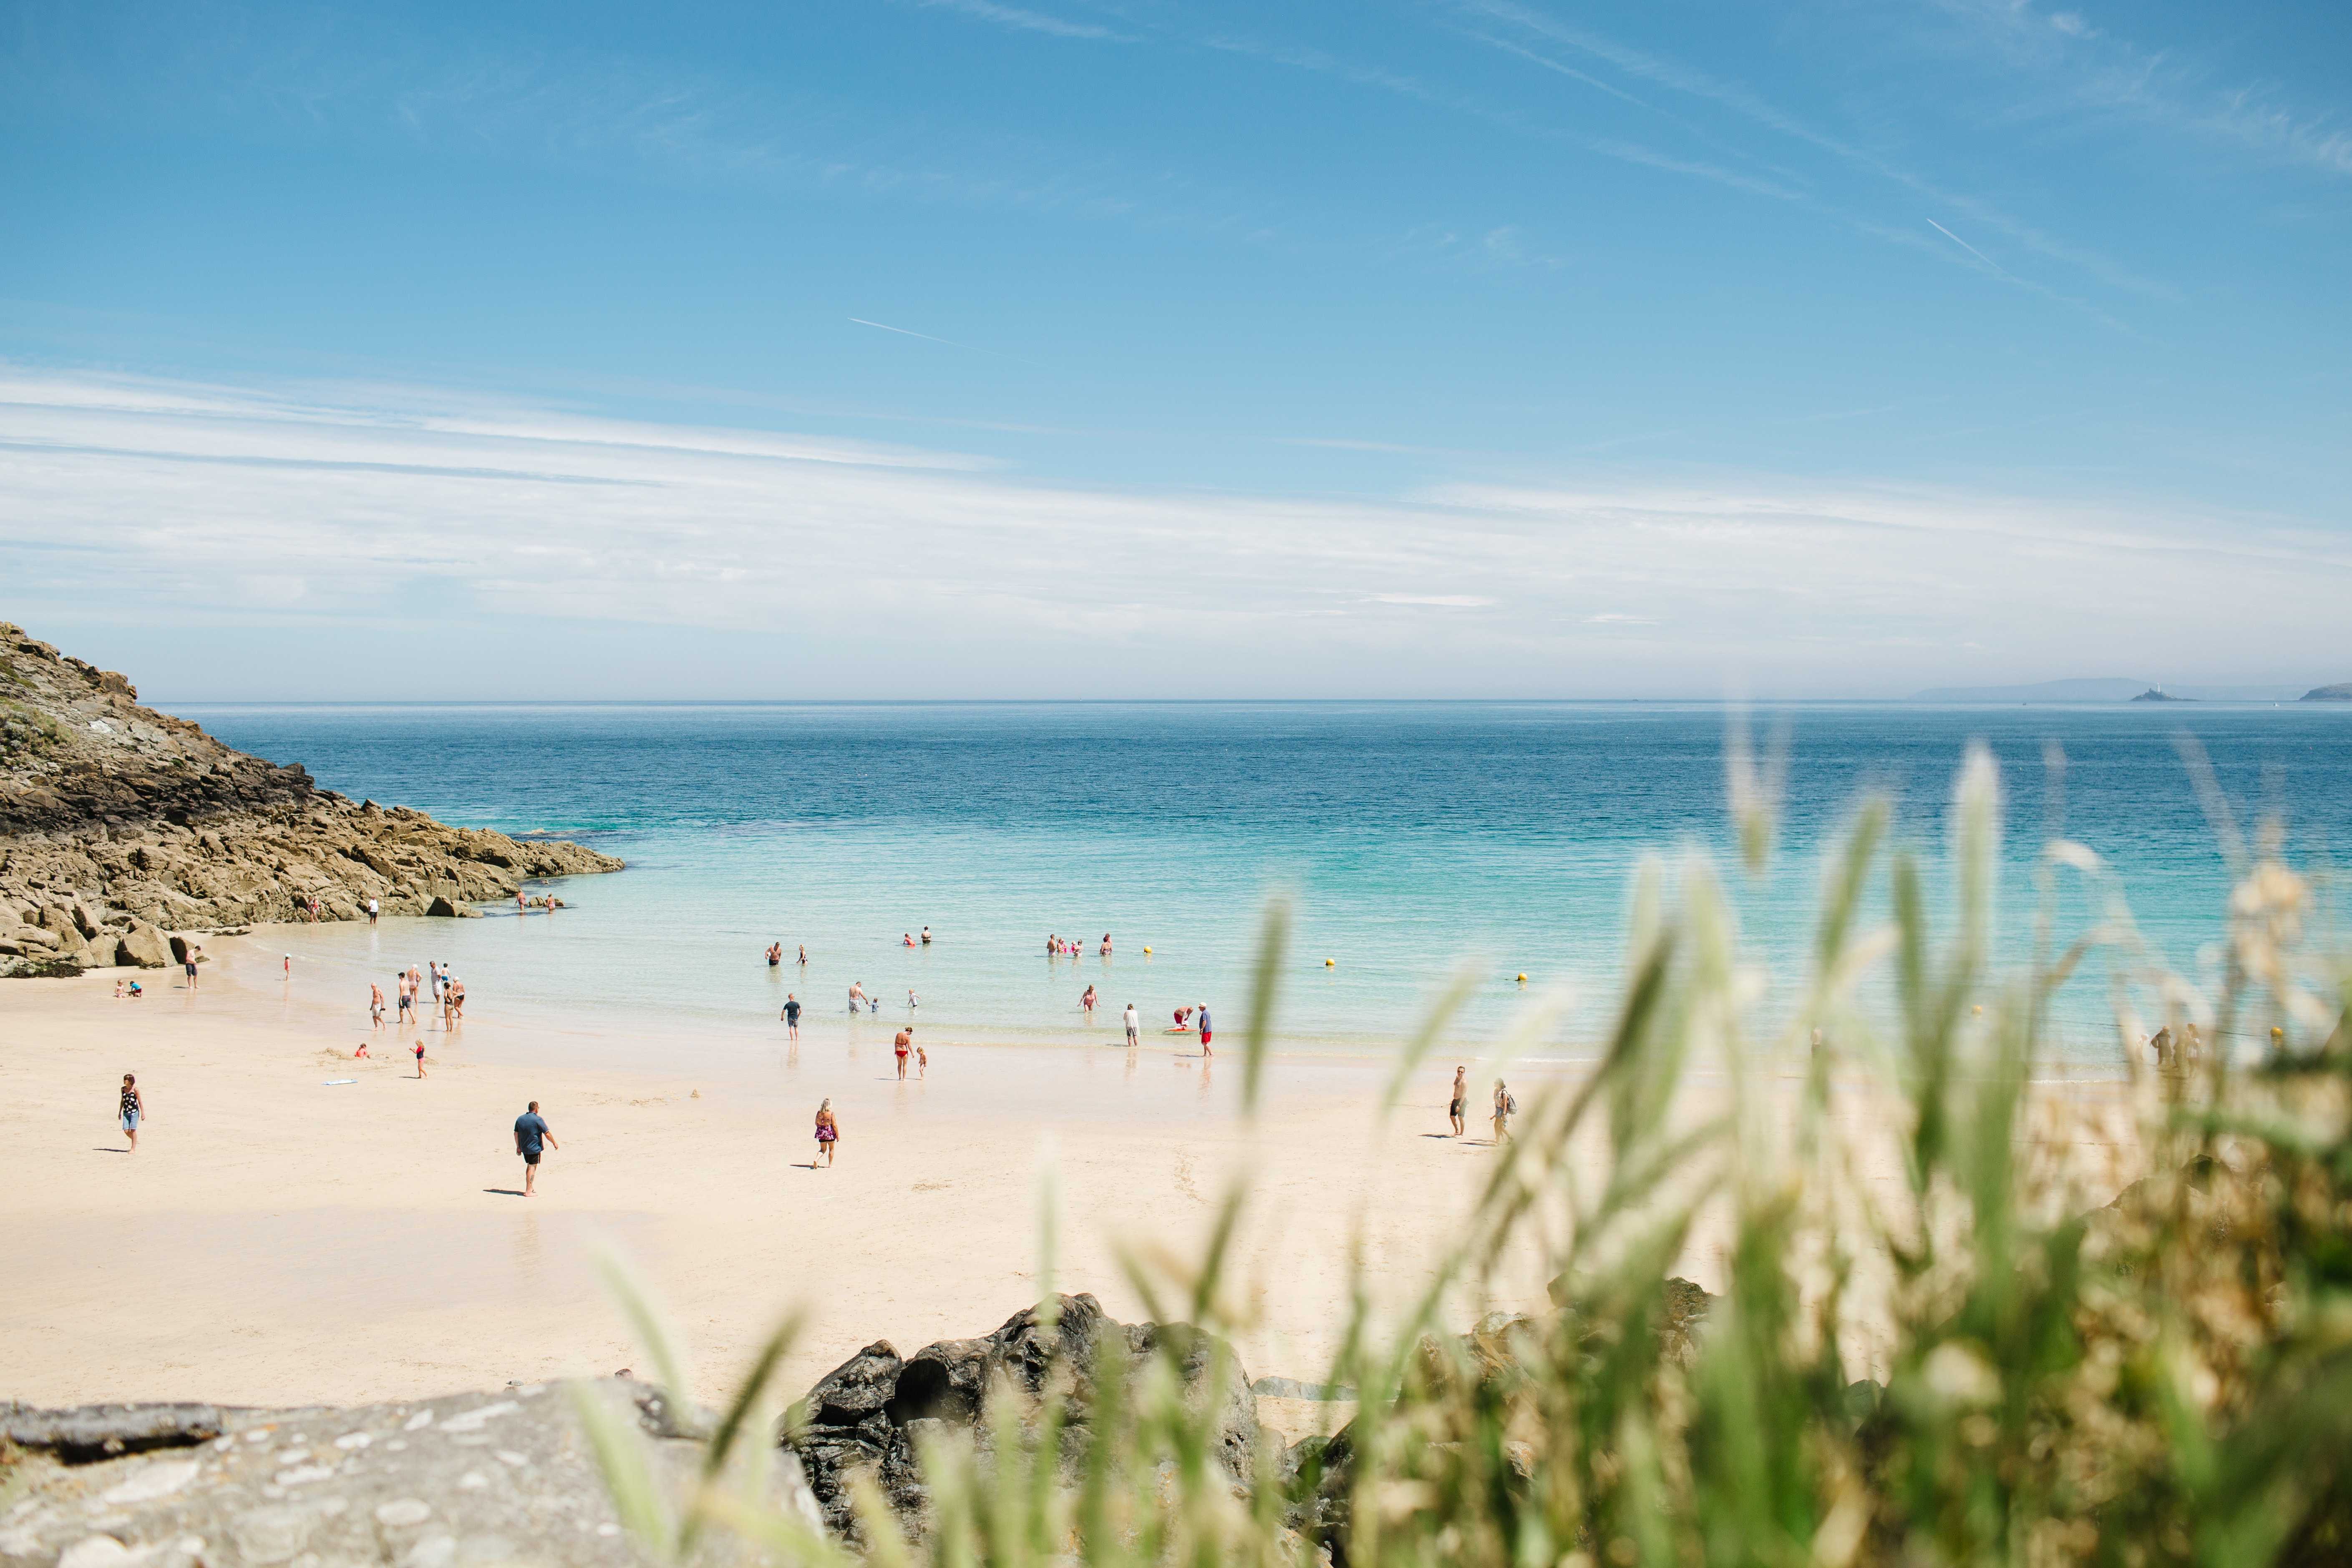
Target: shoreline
column 280, row 1241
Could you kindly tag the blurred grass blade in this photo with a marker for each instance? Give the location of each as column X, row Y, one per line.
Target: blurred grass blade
column 621, row 1459
column 1265, row 988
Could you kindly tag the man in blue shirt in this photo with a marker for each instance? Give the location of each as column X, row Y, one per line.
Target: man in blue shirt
column 530, row 1136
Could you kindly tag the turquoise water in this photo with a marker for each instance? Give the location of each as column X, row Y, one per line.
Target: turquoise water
column 1412, row 837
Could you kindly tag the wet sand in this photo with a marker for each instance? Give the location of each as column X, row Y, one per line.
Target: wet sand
column 277, row 1240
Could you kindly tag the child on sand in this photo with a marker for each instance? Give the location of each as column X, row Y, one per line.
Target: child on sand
column 828, row 1134
column 922, row 1062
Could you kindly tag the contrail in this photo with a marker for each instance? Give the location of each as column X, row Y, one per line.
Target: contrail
column 925, row 336
column 1956, row 240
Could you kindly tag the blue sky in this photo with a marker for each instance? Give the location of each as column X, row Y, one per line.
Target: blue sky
column 1130, row 348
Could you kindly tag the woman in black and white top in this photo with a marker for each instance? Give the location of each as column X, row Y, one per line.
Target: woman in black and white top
column 133, row 1109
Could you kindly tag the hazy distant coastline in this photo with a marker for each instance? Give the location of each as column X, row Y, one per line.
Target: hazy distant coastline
column 2114, row 690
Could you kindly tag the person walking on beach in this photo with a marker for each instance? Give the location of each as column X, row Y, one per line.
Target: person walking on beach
column 420, row 1059
column 290, row 966
column 404, row 1014
column 530, row 1133
column 828, row 1134
column 132, row 1109
column 375, row 1007
column 189, row 962
column 899, row 1047
column 1204, row 1031
column 1134, row 1026
column 791, row 1016
column 457, row 1000
column 1504, row 1106
column 1461, row 1093
column 922, row 1062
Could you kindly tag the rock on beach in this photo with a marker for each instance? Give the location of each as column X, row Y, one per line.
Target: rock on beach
column 120, row 826
column 466, row 1481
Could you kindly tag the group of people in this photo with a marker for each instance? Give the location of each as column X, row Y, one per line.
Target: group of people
column 1188, row 1020
column 1504, row 1106
column 776, row 954
column 861, row 1000
column 1069, row 947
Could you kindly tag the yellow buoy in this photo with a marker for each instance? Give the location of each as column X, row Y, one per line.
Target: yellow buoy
column 1523, row 977
column 1147, row 950
column 1331, row 964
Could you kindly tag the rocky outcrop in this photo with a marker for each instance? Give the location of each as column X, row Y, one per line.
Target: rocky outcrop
column 120, row 825
column 477, row 1479
column 871, row 1413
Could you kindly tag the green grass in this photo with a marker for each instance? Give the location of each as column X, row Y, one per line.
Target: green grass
column 1963, row 1369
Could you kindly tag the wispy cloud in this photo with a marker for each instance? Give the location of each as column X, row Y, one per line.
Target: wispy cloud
column 364, row 508
column 1025, row 21
column 1737, row 99
column 2098, row 70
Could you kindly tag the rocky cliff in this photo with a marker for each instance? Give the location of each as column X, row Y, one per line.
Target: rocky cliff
column 119, row 825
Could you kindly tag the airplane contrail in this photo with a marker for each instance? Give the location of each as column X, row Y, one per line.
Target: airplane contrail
column 925, row 336
column 1964, row 245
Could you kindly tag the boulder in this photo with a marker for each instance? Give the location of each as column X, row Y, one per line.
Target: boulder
column 476, row 1478
column 871, row 1412
column 143, row 946
column 441, row 907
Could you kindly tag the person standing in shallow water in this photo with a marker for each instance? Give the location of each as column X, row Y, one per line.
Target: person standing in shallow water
column 132, row 1109
column 1461, row 1094
column 1206, row 1034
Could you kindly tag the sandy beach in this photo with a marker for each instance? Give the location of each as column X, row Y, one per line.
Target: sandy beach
column 278, row 1238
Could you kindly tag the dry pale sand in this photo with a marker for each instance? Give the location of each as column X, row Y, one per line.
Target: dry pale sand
column 279, row 1240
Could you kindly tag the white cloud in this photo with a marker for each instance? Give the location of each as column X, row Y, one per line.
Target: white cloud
column 878, row 570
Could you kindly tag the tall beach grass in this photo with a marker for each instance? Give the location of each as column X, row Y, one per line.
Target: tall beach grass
column 1980, row 1360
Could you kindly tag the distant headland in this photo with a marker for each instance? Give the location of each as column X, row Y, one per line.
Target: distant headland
column 2120, row 690
column 121, row 828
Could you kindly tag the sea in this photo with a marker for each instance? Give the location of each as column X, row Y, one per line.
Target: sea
column 1410, row 842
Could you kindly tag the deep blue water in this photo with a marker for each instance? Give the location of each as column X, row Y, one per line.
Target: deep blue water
column 1413, row 837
